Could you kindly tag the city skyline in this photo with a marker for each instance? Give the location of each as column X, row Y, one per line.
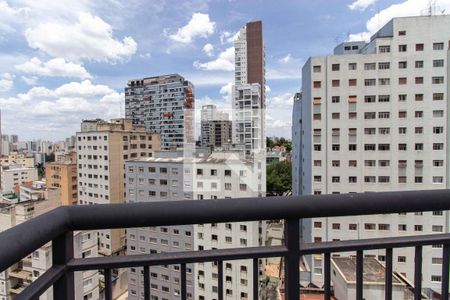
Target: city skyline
column 48, row 86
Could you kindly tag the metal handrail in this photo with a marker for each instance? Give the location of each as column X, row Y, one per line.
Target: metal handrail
column 58, row 225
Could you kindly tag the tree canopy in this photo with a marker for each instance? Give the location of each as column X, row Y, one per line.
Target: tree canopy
column 279, row 180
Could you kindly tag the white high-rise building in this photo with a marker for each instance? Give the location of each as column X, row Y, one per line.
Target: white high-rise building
column 172, row 176
column 249, row 89
column 374, row 117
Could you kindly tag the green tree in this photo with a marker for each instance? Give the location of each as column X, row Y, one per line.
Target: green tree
column 279, row 180
column 41, row 169
column 269, row 143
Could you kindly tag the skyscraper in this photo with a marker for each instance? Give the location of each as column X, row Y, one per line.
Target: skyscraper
column 373, row 117
column 249, row 88
column 163, row 104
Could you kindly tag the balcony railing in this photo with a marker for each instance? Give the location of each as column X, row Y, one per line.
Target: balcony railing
column 58, row 226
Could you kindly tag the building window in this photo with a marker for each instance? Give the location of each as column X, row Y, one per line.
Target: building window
column 335, row 179
column 402, row 98
column 384, row 81
column 438, row 163
column 384, row 49
column 402, row 64
column 383, row 147
column 383, row 115
column 370, row 82
column 384, row 66
column 402, row 227
column 352, row 226
column 352, row 179
column 401, row 179
column 418, row 114
column 383, row 227
column 419, row 146
column 418, row 179
column 419, row 64
column 352, row 66
column 419, row 80
column 438, row 96
column 402, row 48
column 335, row 147
column 352, row 82
column 317, row 84
column 335, row 67
column 352, row 147
column 402, row 130
column 437, row 80
column 438, row 46
column 419, row 97
column 317, row 117
column 335, row 99
column 438, row 63
column 384, row 98
column 369, row 99
column 438, row 179
column 336, row 226
column 418, row 130
column 352, row 163
column 369, row 147
column 438, row 130
column 369, row 226
column 402, row 80
column 335, row 116
column 383, row 179
column 317, row 69
column 370, row 179
column 317, row 224
column 419, row 47
column 369, row 115
column 335, row 83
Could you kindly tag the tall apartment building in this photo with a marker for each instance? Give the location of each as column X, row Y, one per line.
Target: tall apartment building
column 249, row 89
column 102, row 149
column 374, row 117
column 62, row 175
column 216, row 127
column 20, row 275
column 163, row 104
column 171, row 176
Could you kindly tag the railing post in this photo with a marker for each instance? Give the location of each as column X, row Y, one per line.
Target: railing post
column 62, row 252
column 292, row 259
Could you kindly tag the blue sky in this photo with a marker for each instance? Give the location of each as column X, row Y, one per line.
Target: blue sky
column 64, row 61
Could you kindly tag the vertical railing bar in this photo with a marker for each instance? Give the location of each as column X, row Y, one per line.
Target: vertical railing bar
column 327, row 275
column 292, row 259
column 255, row 278
column 62, row 252
column 388, row 275
column 108, row 284
column 418, row 273
column 183, row 282
column 359, row 274
column 445, row 270
column 220, row 278
column 146, row 283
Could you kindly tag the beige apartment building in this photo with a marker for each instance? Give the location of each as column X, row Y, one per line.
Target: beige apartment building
column 62, row 176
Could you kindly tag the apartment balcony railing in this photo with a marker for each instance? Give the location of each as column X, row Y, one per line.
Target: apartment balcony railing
column 58, row 226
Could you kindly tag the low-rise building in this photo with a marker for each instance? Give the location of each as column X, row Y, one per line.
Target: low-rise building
column 16, row 175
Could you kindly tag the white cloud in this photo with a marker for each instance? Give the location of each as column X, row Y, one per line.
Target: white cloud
column 208, row 49
column 82, row 89
column 223, row 62
column 30, row 80
column 281, row 101
column 286, row 59
column 9, row 16
column 6, row 82
column 145, row 55
column 89, row 38
column 268, row 89
column 61, row 109
column 54, row 67
column 361, row 4
column 228, row 37
column 199, row 26
column 404, row 9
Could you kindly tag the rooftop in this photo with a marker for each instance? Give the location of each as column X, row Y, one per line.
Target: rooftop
column 373, row 270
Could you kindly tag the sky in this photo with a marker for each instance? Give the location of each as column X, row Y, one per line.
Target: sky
column 64, row 61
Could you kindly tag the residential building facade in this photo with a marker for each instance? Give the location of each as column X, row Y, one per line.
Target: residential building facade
column 163, row 104
column 374, row 117
column 62, row 176
column 216, row 127
column 172, row 176
column 248, row 100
